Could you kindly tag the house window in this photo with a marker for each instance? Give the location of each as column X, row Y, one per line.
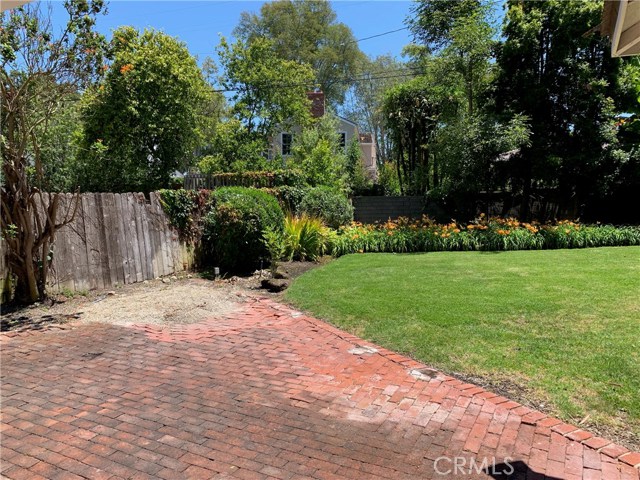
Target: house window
column 343, row 140
column 287, row 139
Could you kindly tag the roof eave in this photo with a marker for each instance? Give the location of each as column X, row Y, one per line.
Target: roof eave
column 9, row 4
column 625, row 37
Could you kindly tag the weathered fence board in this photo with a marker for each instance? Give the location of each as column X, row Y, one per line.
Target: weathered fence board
column 125, row 248
column 63, row 272
column 78, row 241
column 139, row 251
column 114, row 239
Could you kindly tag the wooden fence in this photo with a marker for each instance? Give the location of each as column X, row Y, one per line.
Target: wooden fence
column 197, row 181
column 115, row 239
column 257, row 179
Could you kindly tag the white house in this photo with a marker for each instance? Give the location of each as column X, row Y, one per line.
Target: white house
column 282, row 141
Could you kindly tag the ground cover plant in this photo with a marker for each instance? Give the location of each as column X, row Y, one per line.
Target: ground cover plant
column 424, row 235
column 563, row 324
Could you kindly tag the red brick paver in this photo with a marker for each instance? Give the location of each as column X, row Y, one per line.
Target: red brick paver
column 265, row 393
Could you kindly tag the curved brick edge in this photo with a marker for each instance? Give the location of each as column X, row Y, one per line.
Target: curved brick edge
column 528, row 415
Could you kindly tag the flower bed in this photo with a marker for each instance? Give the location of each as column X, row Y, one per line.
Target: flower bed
column 424, row 235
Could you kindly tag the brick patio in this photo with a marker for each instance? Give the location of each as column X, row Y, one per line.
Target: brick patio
column 265, row 393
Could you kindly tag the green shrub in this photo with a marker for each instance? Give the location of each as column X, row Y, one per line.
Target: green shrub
column 317, row 152
column 176, row 183
column 358, row 180
column 276, row 247
column 388, row 179
column 303, row 237
column 290, row 197
column 234, row 227
column 327, row 204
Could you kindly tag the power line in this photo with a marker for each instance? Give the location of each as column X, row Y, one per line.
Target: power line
column 341, row 44
column 375, row 36
column 409, row 73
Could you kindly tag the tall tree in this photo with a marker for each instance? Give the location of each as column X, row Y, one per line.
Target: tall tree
column 40, row 69
column 307, row 31
column 231, row 148
column 567, row 84
column 411, row 111
column 145, row 120
column 268, row 91
column 59, row 146
column 433, row 22
column 455, row 43
column 364, row 99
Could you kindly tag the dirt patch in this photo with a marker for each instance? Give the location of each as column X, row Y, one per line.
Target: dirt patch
column 295, row 269
column 153, row 302
column 181, row 302
column 171, row 300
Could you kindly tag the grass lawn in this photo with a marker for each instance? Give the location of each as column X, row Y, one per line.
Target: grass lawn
column 565, row 324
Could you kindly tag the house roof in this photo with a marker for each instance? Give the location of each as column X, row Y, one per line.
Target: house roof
column 9, row 4
column 347, row 120
column 621, row 22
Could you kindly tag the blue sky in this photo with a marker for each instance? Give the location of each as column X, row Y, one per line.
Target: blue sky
column 199, row 23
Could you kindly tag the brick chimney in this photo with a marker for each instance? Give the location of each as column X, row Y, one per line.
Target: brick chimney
column 317, row 103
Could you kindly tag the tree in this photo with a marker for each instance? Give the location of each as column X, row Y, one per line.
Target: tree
column 470, row 156
column 306, row 31
column 568, row 85
column 269, row 91
column 40, row 69
column 411, row 113
column 232, row 149
column 463, row 151
column 318, row 153
column 59, row 146
column 356, row 172
column 365, row 97
column 456, row 46
column 434, row 22
column 145, row 119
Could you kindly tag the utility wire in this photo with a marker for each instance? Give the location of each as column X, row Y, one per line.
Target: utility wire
column 341, row 44
column 375, row 36
column 409, row 73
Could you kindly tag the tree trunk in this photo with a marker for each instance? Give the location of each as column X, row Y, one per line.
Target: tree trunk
column 525, row 211
column 400, row 158
column 436, row 179
column 27, row 284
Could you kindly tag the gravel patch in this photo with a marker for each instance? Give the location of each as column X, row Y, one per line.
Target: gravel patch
column 180, row 301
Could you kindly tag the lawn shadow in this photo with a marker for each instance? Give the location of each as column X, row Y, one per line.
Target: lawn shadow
column 517, row 470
